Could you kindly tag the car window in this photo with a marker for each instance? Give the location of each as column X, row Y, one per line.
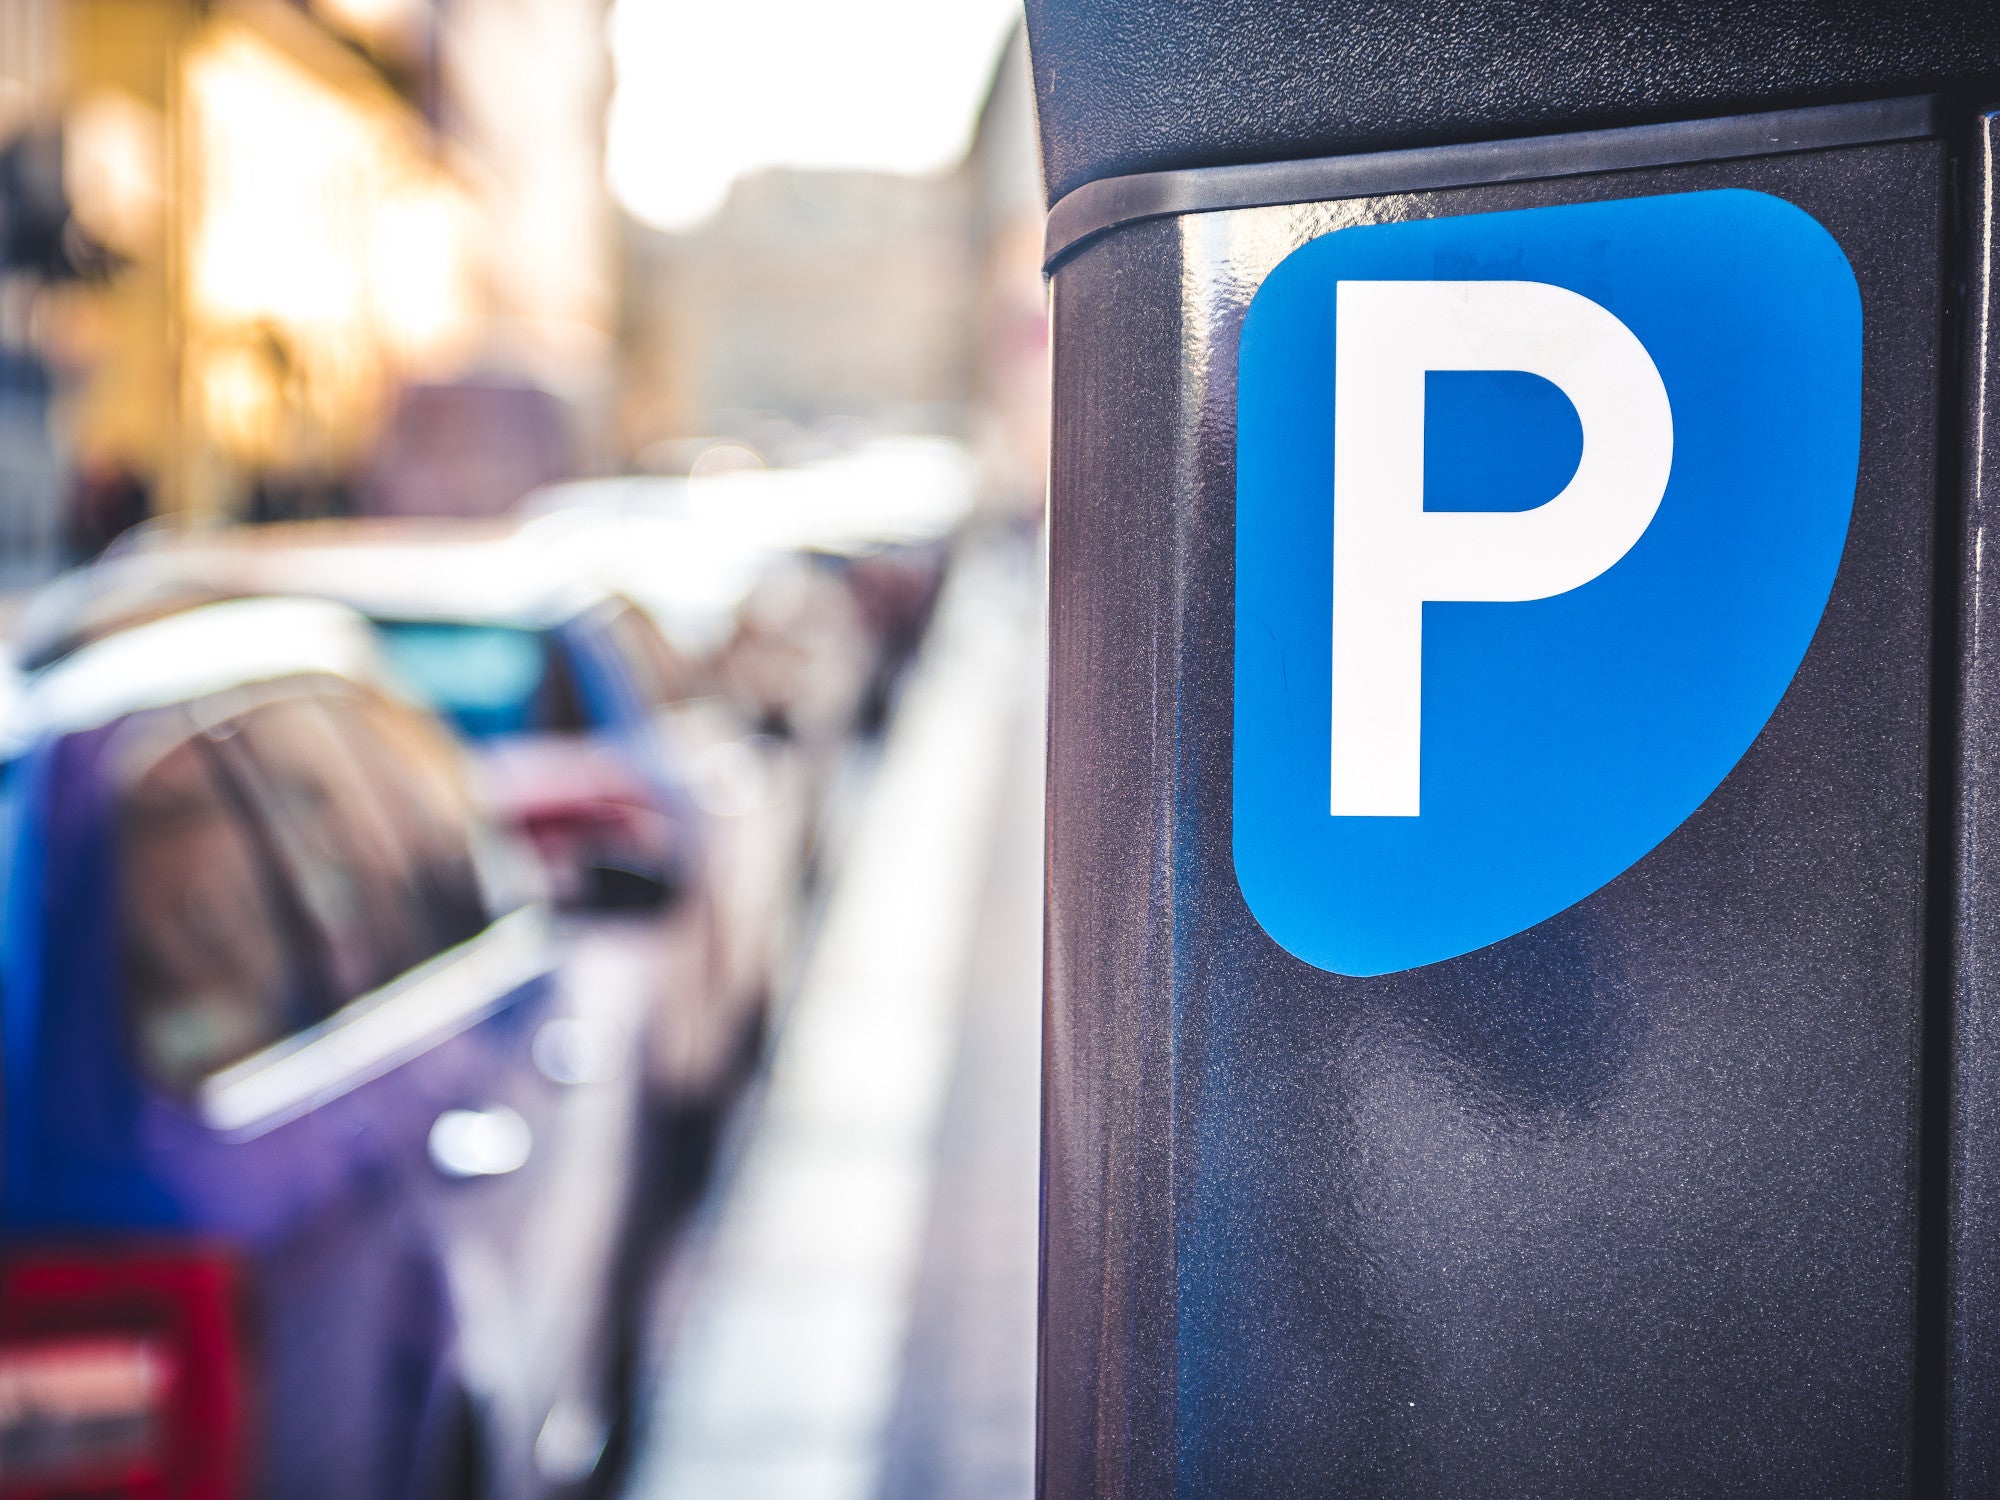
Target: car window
column 336, row 842
column 489, row 680
column 417, row 772
column 280, row 857
column 215, row 967
column 659, row 673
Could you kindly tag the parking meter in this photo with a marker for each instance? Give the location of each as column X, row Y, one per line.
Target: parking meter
column 1524, row 862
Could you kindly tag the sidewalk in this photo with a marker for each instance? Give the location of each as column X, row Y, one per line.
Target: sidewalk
column 851, row 1314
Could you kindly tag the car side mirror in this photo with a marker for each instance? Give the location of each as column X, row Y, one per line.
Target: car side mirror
column 617, row 889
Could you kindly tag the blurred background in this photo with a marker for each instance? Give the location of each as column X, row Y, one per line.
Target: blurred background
column 520, row 564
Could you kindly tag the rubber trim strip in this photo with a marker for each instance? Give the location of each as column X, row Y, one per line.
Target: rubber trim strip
column 1097, row 207
column 384, row 1028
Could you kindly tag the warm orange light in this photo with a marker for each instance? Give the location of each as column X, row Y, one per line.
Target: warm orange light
column 422, row 278
column 382, row 23
column 328, row 254
column 113, row 155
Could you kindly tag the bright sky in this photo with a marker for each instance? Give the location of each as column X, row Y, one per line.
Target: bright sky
column 711, row 90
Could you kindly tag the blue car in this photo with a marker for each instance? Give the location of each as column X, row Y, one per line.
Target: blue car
column 318, row 1167
column 671, row 823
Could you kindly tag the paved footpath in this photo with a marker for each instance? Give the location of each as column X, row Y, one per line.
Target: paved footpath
column 850, row 1314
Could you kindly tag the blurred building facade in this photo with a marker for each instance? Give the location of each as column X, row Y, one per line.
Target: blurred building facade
column 819, row 307
column 33, row 474
column 811, row 299
column 1010, row 392
column 281, row 223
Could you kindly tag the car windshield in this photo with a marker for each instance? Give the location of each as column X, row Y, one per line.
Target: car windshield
column 489, row 680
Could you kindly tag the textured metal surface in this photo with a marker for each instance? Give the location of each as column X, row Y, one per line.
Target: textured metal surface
column 1139, row 85
column 1110, row 201
column 1626, row 1204
column 1973, row 1430
column 1119, row 520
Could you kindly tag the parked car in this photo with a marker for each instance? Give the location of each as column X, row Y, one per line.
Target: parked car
column 318, row 1160
column 669, row 821
column 852, row 550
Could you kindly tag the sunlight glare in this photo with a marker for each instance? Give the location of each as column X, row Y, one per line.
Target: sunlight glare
column 711, row 92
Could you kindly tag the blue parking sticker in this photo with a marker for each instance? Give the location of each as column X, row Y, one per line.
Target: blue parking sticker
column 1536, row 515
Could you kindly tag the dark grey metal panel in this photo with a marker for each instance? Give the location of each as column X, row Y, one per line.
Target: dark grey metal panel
column 1111, row 201
column 1974, row 1270
column 1107, row 1336
column 1626, row 1204
column 1128, row 86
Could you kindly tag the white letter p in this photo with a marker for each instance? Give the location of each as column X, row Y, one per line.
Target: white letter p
column 1390, row 555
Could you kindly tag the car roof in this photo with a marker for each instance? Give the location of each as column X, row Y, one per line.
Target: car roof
column 208, row 649
column 891, row 492
column 472, row 572
column 447, row 572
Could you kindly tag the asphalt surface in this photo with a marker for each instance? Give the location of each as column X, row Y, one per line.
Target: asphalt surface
column 848, row 1311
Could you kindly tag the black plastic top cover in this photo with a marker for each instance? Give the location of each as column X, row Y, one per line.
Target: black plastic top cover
column 1149, row 85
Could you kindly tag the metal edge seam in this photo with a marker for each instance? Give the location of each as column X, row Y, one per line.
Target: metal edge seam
column 1095, row 208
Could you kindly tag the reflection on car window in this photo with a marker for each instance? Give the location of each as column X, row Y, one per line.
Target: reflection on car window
column 334, row 838
column 212, row 968
column 416, row 771
column 280, row 860
column 489, row 680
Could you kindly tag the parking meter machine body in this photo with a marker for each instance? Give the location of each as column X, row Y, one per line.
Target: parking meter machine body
column 1522, row 873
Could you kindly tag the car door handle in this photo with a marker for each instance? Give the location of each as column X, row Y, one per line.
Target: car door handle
column 488, row 1142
